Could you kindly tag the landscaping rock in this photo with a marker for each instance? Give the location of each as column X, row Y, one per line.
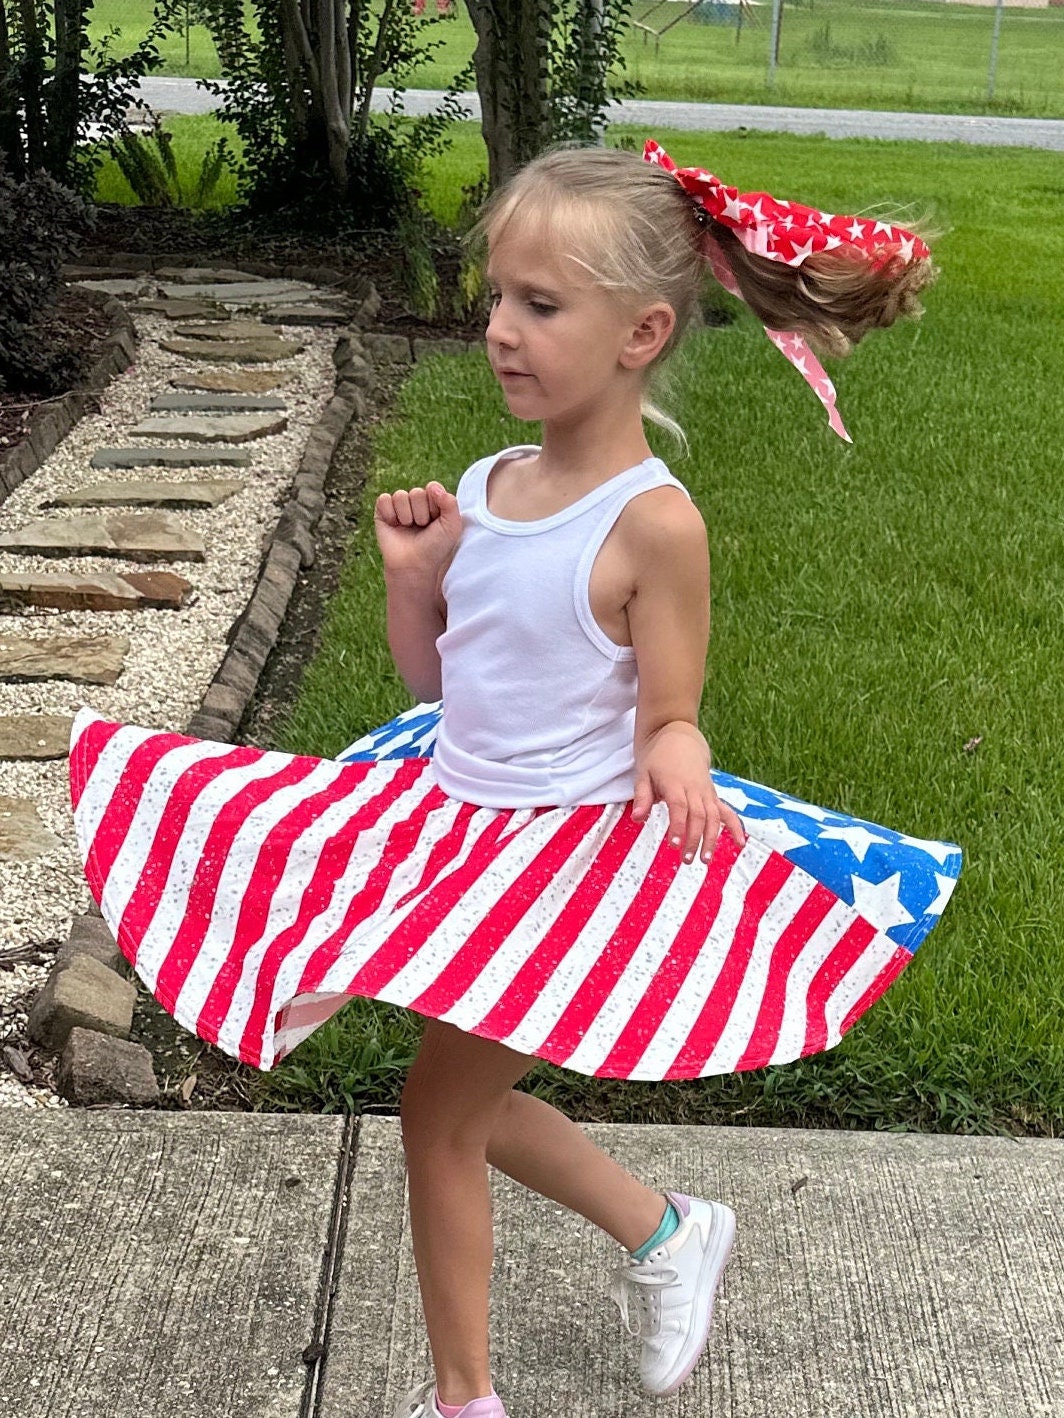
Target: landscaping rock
column 190, row 403
column 169, row 458
column 120, row 287
column 262, row 351
column 308, row 315
column 395, row 348
column 246, row 292
column 74, row 592
column 228, row 330
column 139, row 536
column 89, row 659
column 90, row 935
column 447, row 347
column 96, row 1068
column 182, row 309
column 23, row 835
column 225, row 428
column 237, row 381
column 208, row 492
column 34, row 736
column 86, row 995
column 161, row 590
column 205, row 275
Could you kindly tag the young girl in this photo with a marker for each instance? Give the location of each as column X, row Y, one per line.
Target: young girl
column 546, row 867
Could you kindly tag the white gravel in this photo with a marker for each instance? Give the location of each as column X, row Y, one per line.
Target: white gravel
column 173, row 655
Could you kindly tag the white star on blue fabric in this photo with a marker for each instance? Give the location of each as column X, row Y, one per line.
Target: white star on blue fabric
column 777, row 834
column 857, row 838
column 879, row 902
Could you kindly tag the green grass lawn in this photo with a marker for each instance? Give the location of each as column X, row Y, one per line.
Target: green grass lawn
column 874, row 54
column 876, row 607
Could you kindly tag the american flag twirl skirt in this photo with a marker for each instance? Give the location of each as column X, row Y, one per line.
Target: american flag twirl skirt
column 255, row 892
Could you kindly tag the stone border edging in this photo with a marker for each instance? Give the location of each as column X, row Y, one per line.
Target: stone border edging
column 291, row 546
column 50, row 425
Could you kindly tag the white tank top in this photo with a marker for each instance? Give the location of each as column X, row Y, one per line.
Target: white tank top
column 538, row 702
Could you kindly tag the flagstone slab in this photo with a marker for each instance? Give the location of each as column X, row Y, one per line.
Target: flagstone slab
column 160, row 590
column 118, row 287
column 216, row 403
column 139, row 536
column 23, row 836
column 263, row 351
column 205, row 275
column 244, row 292
column 169, row 458
column 182, row 309
column 234, row 381
column 228, row 330
column 206, row 492
column 35, row 736
column 308, row 315
column 101, row 591
column 222, row 428
column 89, row 659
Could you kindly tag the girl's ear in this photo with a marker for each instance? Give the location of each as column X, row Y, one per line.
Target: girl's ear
column 653, row 326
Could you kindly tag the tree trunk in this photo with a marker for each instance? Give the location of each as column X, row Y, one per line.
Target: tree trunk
column 65, row 97
column 512, row 65
column 10, row 136
column 32, row 84
column 316, row 39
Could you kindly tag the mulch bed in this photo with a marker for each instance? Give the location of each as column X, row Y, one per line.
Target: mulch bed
column 80, row 326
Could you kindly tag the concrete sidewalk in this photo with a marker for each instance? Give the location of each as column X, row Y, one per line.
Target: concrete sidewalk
column 183, row 96
column 205, row 1265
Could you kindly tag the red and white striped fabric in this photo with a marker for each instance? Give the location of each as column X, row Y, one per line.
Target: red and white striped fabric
column 254, row 892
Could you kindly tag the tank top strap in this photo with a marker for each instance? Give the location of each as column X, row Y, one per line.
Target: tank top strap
column 651, row 474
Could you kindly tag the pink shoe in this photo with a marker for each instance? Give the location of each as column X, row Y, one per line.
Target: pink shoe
column 421, row 1403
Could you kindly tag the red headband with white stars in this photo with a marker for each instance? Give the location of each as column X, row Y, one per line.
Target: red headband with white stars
column 788, row 232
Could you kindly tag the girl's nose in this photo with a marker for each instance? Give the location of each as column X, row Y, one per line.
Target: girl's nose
column 500, row 327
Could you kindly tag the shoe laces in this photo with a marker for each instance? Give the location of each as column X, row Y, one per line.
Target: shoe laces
column 636, row 1291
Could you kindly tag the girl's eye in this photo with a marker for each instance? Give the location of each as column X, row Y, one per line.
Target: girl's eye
column 540, row 308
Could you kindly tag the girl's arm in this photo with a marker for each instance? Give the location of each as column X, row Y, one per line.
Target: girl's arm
column 418, row 533
column 668, row 617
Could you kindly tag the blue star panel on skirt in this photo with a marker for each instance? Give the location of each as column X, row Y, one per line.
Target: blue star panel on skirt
column 899, row 883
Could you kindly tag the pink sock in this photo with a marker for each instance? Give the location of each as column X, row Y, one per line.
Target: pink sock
column 490, row 1407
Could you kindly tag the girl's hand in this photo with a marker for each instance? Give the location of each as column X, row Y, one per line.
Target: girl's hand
column 417, row 529
column 674, row 769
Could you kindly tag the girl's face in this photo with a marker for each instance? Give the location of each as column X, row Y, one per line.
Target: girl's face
column 557, row 342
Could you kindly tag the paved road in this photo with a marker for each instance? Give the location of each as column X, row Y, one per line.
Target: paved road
column 183, row 96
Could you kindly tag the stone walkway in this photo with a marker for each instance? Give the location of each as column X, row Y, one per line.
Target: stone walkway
column 126, row 558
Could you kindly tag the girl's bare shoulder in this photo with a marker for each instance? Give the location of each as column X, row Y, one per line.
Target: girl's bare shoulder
column 661, row 520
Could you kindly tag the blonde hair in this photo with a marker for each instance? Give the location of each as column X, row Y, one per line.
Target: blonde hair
column 632, row 226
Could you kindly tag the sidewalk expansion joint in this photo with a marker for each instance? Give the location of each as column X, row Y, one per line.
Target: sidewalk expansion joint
column 316, row 1352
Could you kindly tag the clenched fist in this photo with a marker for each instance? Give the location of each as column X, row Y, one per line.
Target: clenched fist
column 417, row 529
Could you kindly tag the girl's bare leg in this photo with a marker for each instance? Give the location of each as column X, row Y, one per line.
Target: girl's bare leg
column 455, row 1089
column 459, row 1112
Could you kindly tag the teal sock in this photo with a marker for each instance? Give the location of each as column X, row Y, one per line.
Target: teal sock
column 669, row 1223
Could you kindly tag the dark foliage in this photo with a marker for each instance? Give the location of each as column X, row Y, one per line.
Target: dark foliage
column 42, row 225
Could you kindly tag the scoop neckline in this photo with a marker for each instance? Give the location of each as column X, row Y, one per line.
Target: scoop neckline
column 564, row 514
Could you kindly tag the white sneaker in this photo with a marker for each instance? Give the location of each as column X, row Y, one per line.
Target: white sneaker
column 667, row 1299
column 420, row 1402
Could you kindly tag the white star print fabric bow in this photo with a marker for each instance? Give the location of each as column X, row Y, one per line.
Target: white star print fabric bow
column 788, row 232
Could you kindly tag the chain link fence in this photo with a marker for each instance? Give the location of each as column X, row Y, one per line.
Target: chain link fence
column 936, row 54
